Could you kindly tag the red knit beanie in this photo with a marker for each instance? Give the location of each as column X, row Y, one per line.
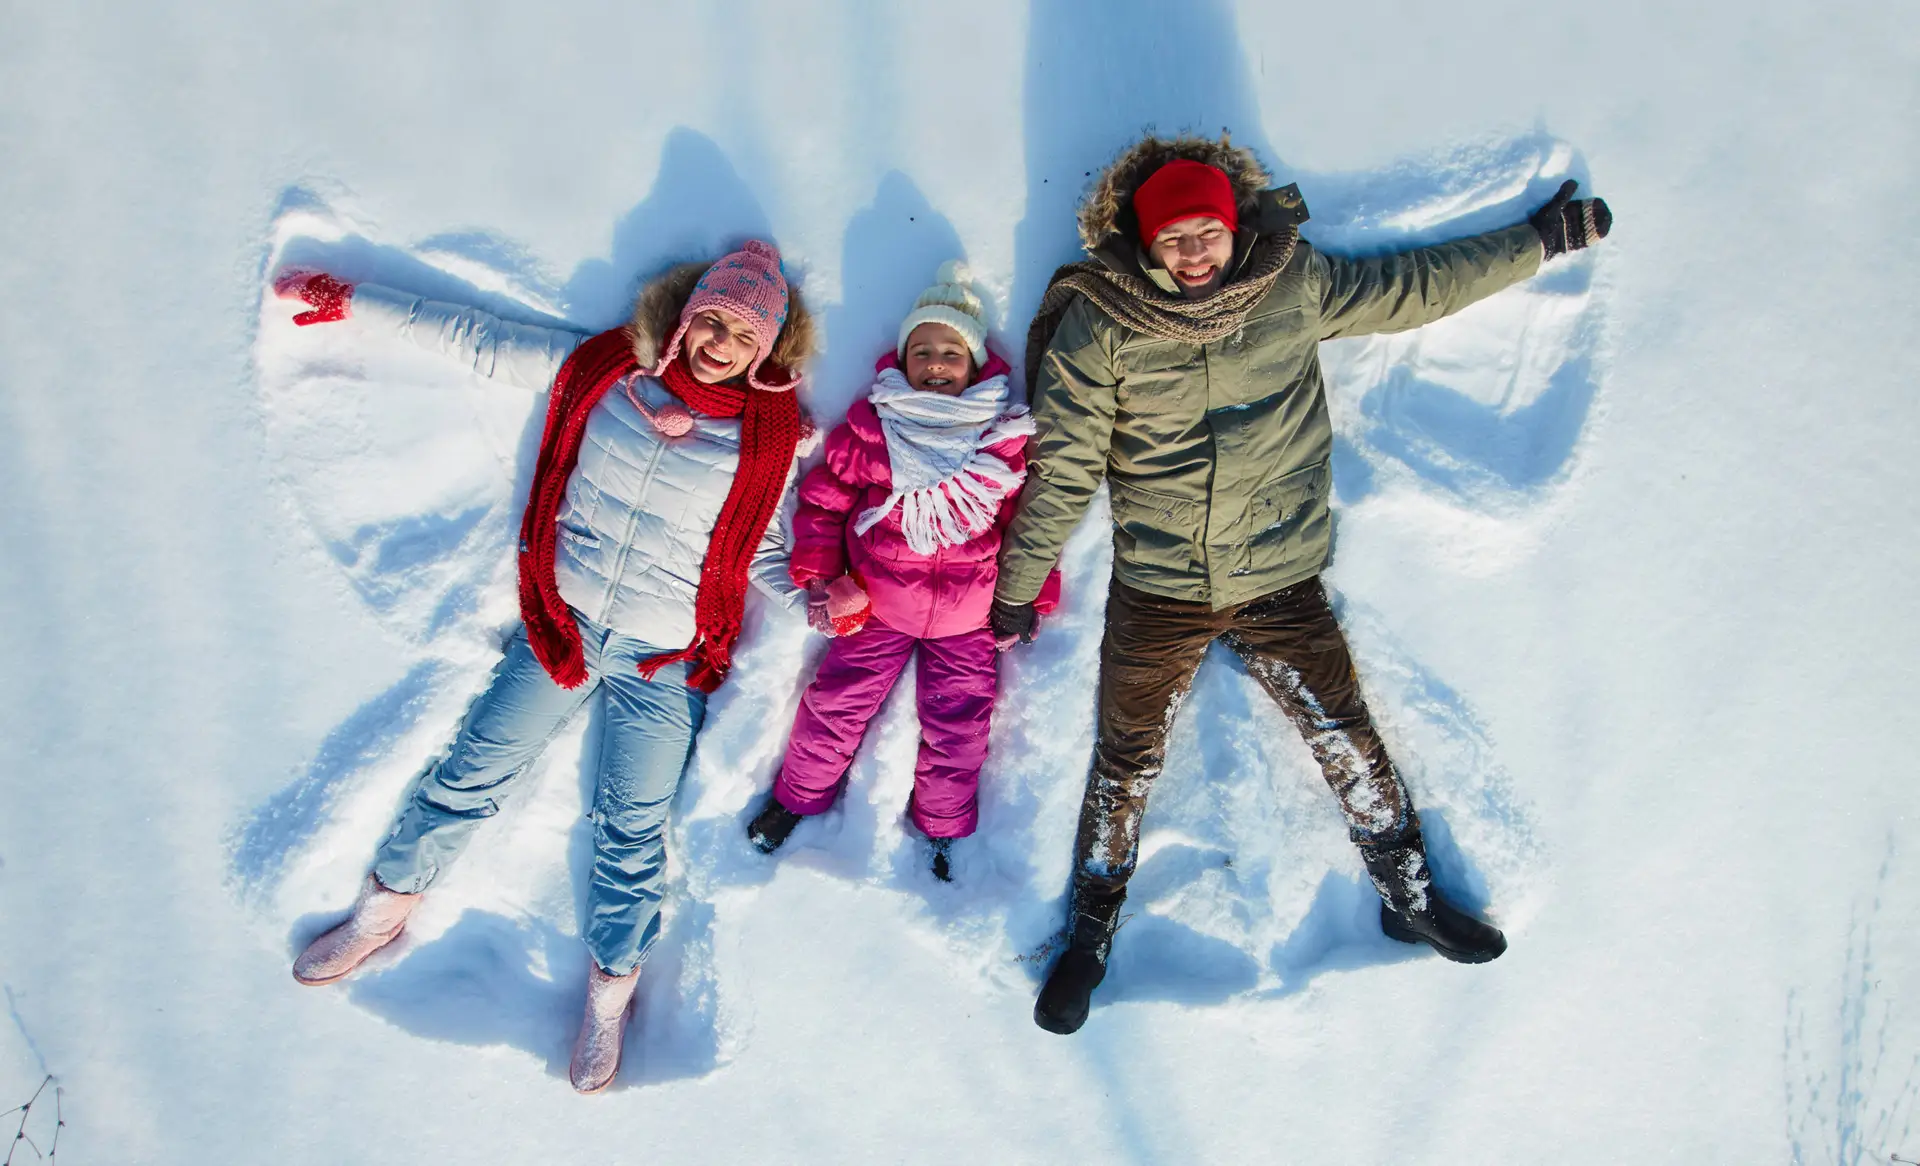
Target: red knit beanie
column 1183, row 189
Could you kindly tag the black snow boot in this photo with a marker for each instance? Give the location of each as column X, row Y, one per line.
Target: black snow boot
column 942, row 858
column 1413, row 911
column 1068, row 993
column 770, row 827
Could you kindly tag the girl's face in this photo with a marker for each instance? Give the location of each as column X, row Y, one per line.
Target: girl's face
column 1195, row 252
column 938, row 360
column 718, row 345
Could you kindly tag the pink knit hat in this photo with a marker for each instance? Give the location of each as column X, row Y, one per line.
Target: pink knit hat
column 748, row 284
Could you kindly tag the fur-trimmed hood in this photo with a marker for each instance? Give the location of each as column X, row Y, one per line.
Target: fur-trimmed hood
column 656, row 313
column 1107, row 209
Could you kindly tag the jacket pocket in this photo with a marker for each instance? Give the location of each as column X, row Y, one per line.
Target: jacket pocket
column 1266, row 358
column 1151, row 529
column 578, row 535
column 1290, row 519
column 1156, row 390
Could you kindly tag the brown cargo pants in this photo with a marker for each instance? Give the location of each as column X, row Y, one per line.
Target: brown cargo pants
column 1292, row 645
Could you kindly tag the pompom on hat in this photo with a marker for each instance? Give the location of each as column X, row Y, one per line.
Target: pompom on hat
column 950, row 301
column 747, row 283
column 1184, row 189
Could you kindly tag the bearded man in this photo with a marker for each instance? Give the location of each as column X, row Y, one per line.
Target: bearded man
column 1181, row 366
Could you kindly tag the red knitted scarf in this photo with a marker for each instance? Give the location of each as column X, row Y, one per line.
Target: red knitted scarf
column 769, row 433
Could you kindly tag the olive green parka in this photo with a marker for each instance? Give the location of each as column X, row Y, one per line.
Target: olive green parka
column 1216, row 455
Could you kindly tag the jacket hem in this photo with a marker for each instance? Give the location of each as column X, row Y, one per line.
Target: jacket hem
column 1219, row 599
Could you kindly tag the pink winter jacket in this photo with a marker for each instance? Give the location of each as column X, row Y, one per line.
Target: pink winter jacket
column 942, row 594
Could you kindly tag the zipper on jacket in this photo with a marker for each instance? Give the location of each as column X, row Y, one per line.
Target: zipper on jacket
column 626, row 538
column 933, row 601
column 1213, row 470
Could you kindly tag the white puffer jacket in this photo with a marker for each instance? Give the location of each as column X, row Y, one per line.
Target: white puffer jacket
column 639, row 507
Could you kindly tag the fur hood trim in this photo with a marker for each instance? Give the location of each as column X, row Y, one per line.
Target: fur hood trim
column 656, row 313
column 1107, row 209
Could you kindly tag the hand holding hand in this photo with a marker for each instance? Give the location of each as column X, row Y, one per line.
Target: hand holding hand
column 330, row 299
column 1013, row 623
column 839, row 608
column 1568, row 224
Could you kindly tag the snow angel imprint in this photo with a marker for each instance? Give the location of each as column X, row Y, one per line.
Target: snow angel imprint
column 895, row 541
column 660, row 473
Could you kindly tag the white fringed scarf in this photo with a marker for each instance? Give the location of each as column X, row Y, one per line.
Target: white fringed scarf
column 947, row 486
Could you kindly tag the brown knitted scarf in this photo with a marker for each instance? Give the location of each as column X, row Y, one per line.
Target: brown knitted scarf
column 1136, row 303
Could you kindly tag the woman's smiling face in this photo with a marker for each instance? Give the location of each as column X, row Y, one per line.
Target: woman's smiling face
column 718, row 345
column 938, row 360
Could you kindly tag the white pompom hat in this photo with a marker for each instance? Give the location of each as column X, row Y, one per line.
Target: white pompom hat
column 950, row 301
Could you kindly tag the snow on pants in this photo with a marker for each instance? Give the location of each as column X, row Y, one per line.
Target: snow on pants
column 957, row 680
column 1291, row 644
column 647, row 737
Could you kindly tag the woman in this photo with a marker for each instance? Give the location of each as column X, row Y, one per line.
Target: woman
column 660, row 473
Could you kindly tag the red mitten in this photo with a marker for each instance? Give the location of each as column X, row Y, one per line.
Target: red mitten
column 847, row 606
column 330, row 298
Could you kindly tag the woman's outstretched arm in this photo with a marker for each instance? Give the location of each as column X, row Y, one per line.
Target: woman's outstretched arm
column 526, row 355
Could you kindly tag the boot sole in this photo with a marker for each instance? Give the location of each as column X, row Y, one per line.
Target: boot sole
column 1392, row 928
column 1054, row 1026
column 351, row 968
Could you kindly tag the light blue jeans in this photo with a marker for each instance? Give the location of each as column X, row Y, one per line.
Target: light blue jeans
column 649, row 728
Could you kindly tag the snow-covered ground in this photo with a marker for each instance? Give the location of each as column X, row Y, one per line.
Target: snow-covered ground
column 1625, row 555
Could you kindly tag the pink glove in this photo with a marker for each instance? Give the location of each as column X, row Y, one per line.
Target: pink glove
column 847, row 606
column 330, row 298
column 837, row 609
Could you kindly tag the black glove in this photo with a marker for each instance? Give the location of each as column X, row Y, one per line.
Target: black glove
column 1013, row 619
column 1568, row 224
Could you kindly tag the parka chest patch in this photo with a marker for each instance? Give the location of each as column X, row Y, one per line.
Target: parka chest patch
column 1156, row 364
column 1265, row 356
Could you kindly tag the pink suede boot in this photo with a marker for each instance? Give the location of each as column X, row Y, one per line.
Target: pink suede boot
column 596, row 1054
column 379, row 915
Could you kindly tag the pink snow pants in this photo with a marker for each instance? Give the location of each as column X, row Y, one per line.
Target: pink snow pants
column 957, row 680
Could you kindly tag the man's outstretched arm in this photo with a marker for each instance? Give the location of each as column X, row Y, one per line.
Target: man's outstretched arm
column 1392, row 293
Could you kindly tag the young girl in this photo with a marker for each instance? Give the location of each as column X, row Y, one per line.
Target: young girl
column 909, row 506
column 653, row 502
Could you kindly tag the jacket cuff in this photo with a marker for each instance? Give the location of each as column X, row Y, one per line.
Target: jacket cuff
column 1529, row 250
column 1019, row 583
column 805, row 568
column 1048, row 601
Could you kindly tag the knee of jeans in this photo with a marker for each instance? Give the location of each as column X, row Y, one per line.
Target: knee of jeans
column 625, row 826
column 1124, row 773
column 1142, row 739
column 472, row 765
